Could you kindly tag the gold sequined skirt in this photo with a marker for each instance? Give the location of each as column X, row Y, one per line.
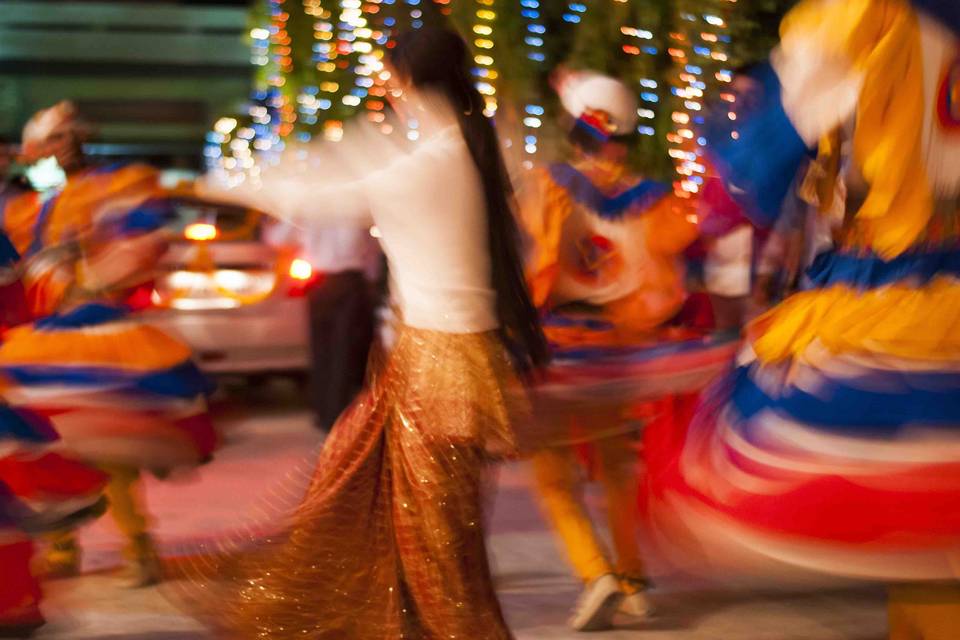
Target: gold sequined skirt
column 388, row 542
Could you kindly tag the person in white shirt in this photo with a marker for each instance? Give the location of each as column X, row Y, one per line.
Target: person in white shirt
column 388, row 542
column 342, row 307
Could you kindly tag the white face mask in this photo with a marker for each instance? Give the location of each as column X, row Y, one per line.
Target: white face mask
column 46, row 174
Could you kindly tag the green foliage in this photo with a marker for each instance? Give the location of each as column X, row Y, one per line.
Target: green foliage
column 596, row 42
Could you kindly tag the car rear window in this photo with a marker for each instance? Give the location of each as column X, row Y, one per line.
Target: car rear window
column 236, row 224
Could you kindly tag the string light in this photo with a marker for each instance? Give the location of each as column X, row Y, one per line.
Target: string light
column 302, row 92
column 484, row 45
column 535, row 31
column 640, row 44
column 698, row 46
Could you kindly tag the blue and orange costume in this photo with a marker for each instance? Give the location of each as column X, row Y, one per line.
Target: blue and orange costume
column 606, row 270
column 122, row 394
column 604, row 240
column 833, row 445
column 40, row 489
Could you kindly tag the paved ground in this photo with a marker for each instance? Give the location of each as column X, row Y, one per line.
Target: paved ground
column 532, row 579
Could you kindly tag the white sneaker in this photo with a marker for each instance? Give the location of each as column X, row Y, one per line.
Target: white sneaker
column 636, row 605
column 597, row 605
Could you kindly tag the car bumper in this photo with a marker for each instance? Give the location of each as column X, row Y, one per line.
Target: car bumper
column 272, row 336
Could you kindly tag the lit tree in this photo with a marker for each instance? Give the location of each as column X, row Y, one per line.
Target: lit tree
column 317, row 65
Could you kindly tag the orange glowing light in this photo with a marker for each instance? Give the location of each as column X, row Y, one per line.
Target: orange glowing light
column 200, row 232
column 300, row 269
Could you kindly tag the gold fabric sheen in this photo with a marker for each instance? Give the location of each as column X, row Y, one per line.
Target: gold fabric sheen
column 388, row 542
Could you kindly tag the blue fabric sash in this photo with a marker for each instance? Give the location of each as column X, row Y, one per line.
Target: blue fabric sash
column 182, row 381
column 760, row 164
column 927, row 399
column 871, row 271
column 634, row 200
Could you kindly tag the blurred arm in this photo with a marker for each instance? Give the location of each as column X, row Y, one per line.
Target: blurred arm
column 294, row 196
column 544, row 208
column 812, row 85
column 669, row 231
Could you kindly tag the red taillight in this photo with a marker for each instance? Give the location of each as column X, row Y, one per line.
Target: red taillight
column 201, row 232
column 301, row 270
column 302, row 277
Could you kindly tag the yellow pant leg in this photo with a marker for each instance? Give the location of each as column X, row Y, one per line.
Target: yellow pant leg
column 617, row 471
column 925, row 612
column 125, row 494
column 62, row 556
column 559, row 485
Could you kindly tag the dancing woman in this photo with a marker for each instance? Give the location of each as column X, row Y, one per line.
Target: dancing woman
column 834, row 446
column 40, row 489
column 122, row 395
column 389, row 542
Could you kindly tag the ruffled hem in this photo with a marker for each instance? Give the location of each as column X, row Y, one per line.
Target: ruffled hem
column 597, row 387
column 121, row 345
column 158, row 442
column 766, row 493
column 871, row 271
column 47, row 491
column 911, row 323
column 117, row 391
column 20, row 426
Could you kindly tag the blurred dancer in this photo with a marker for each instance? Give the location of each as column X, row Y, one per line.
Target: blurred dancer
column 833, row 446
column 17, row 201
column 601, row 235
column 607, row 244
column 39, row 490
column 122, row 394
column 389, row 541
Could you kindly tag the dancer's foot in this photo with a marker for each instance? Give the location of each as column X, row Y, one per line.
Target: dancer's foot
column 20, row 629
column 62, row 560
column 22, row 624
column 635, row 603
column 145, row 569
column 597, row 605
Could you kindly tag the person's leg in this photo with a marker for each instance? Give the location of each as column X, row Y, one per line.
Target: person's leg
column 617, row 471
column 355, row 327
column 125, row 493
column 19, row 590
column 438, row 523
column 925, row 612
column 322, row 305
column 558, row 484
column 557, row 479
column 63, row 557
column 341, row 334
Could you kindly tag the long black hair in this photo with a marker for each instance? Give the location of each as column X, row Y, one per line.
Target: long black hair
column 437, row 59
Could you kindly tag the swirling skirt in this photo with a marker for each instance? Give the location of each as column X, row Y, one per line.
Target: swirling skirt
column 116, row 390
column 834, row 445
column 590, row 391
column 40, row 489
column 388, row 541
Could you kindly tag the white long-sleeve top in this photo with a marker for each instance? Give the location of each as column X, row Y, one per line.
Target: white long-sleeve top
column 428, row 203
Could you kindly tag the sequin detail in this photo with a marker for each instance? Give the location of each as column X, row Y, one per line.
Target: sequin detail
column 388, row 542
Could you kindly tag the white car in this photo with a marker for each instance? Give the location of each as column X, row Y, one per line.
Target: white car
column 236, row 300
